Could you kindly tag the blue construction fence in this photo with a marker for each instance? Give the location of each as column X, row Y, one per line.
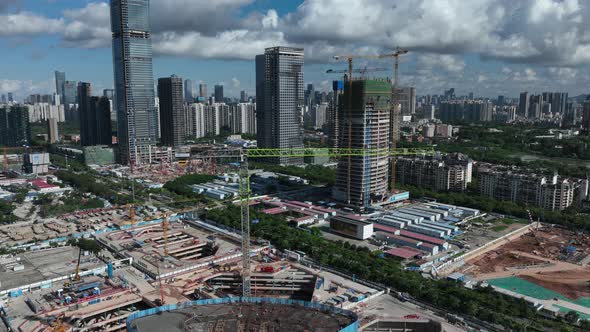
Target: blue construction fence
column 251, row 300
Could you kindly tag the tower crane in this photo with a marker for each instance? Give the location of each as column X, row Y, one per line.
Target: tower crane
column 243, row 155
column 395, row 111
column 165, row 225
column 349, row 59
column 362, row 71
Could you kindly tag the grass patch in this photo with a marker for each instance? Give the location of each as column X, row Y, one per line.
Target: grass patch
column 509, row 221
column 499, row 228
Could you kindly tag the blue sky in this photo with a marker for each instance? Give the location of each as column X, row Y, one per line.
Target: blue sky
column 489, row 47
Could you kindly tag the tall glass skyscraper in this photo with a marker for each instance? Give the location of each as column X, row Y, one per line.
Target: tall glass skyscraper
column 279, row 85
column 134, row 80
column 60, row 81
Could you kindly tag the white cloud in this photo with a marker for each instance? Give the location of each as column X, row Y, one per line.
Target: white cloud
column 88, row 27
column 23, row 88
column 235, row 44
column 28, row 24
column 271, row 20
column 235, row 82
column 449, row 63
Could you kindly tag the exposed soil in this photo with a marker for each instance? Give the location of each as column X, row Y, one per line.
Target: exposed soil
column 572, row 284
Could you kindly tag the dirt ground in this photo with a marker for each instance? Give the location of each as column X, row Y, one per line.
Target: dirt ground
column 551, row 242
column 499, row 260
column 573, row 284
column 540, row 258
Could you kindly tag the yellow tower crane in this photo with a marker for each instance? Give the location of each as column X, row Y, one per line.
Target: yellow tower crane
column 242, row 155
column 165, row 225
column 350, row 59
column 395, row 111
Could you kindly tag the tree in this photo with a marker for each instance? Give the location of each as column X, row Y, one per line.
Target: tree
column 572, row 317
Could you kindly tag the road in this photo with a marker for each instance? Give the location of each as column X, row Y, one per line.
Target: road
column 470, row 321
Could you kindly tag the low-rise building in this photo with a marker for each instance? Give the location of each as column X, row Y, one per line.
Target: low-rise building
column 352, row 226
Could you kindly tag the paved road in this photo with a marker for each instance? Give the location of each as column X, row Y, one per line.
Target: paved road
column 386, row 306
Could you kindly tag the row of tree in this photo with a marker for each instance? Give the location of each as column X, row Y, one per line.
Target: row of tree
column 481, row 302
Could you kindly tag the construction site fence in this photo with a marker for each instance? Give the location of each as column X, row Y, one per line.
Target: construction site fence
column 131, row 327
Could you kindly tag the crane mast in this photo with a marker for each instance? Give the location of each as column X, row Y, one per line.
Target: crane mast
column 395, row 112
column 244, row 179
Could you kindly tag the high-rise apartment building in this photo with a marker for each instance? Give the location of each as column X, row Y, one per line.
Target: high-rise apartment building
column 203, row 90
column 134, row 81
column 172, row 125
column 70, row 93
column 524, row 188
column 60, row 81
column 281, row 118
column 470, row 110
column 535, row 107
column 586, row 116
column 95, row 117
column 523, row 105
column 318, row 115
column 407, row 100
column 15, row 129
column 364, row 124
column 243, row 118
column 440, row 173
column 188, row 92
column 52, row 130
column 219, row 94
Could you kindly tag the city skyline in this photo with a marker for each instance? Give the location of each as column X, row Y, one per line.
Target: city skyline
column 495, row 55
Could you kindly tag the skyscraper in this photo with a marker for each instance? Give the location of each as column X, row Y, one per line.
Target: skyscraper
column 243, row 96
column 3, row 100
column 203, row 90
column 134, row 81
column 109, row 93
column 10, row 97
column 70, row 93
column 523, row 105
column 60, row 81
column 262, row 136
column 188, row 91
column 87, row 129
column 586, row 116
column 363, row 180
column 219, row 93
column 95, row 117
column 283, row 100
column 407, row 100
column 333, row 115
column 14, row 126
column 52, row 132
column 172, row 123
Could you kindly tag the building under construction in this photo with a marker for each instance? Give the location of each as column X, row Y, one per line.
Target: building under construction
column 361, row 181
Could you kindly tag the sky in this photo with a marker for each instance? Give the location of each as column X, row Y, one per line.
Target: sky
column 489, row 47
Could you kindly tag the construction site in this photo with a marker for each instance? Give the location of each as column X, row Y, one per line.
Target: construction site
column 546, row 263
column 245, row 314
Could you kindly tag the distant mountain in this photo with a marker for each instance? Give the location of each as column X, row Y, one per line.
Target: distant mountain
column 579, row 98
